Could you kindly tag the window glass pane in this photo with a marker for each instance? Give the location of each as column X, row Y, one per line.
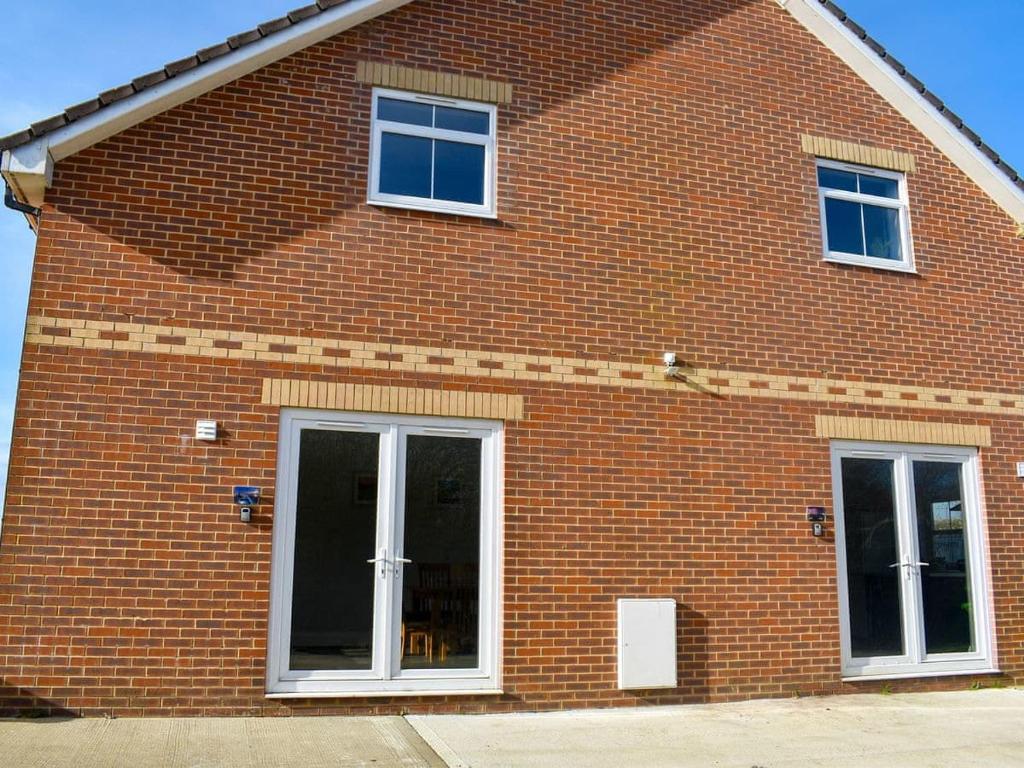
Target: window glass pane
column 882, row 230
column 945, row 588
column 470, row 121
column 869, row 522
column 844, row 226
column 459, row 172
column 833, row 179
column 874, row 185
column 441, row 586
column 335, row 534
column 399, row 111
column 405, row 165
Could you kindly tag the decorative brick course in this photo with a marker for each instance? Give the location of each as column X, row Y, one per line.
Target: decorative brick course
column 342, row 353
column 890, row 431
column 380, row 399
column 438, row 83
column 845, row 151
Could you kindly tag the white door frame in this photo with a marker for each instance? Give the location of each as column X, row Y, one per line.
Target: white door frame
column 915, row 662
column 385, row 677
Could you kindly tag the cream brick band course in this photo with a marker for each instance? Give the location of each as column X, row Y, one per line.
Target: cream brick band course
column 862, row 154
column 381, row 399
column 437, row 83
column 349, row 354
column 884, row 431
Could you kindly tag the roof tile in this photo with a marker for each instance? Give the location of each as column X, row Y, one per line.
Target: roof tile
column 116, row 94
column 895, row 64
column 990, row 153
column 205, row 54
column 274, row 25
column 974, row 138
column 953, row 117
column 48, row 124
column 303, row 13
column 857, row 29
column 244, row 38
column 78, row 111
column 916, row 84
column 16, row 139
column 934, row 100
column 181, row 65
column 149, row 79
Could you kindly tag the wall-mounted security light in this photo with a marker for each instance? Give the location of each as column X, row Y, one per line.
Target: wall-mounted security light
column 671, row 361
column 816, row 517
column 246, row 498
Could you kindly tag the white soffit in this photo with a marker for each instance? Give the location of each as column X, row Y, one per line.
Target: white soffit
column 893, row 88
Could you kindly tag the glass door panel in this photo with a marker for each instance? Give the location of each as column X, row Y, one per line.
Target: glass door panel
column 943, row 555
column 872, row 547
column 440, row 588
column 332, row 611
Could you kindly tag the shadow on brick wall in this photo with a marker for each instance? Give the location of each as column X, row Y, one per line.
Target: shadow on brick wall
column 21, row 703
column 693, row 654
column 269, row 163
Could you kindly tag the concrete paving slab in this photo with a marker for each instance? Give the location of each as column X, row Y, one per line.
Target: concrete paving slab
column 308, row 742
column 925, row 730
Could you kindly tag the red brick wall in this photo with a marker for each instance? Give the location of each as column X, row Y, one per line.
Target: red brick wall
column 652, row 197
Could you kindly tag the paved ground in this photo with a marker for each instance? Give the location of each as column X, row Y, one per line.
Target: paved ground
column 970, row 728
column 937, row 730
column 306, row 742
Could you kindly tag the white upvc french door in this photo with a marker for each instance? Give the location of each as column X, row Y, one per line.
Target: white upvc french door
column 912, row 571
column 386, row 561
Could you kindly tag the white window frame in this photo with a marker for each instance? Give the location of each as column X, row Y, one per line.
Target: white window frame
column 916, row 662
column 902, row 204
column 490, row 144
column 385, row 678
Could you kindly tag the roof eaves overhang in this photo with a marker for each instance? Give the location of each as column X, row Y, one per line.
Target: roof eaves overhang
column 28, row 168
column 856, row 52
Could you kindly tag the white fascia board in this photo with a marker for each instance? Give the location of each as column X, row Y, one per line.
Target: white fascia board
column 909, row 103
column 29, row 171
column 106, row 122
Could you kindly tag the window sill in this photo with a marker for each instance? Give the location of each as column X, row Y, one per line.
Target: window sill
column 426, row 208
column 889, row 266
column 379, row 694
column 869, row 676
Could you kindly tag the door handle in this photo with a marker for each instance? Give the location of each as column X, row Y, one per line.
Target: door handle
column 382, row 558
column 909, row 566
column 399, row 562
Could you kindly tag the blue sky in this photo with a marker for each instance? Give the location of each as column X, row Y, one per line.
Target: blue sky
column 60, row 52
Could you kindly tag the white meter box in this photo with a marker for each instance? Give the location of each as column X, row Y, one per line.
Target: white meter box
column 647, row 644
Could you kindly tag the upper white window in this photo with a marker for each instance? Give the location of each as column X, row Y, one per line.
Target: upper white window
column 433, row 154
column 865, row 216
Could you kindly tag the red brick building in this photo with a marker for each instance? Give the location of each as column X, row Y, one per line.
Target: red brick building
column 421, row 264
